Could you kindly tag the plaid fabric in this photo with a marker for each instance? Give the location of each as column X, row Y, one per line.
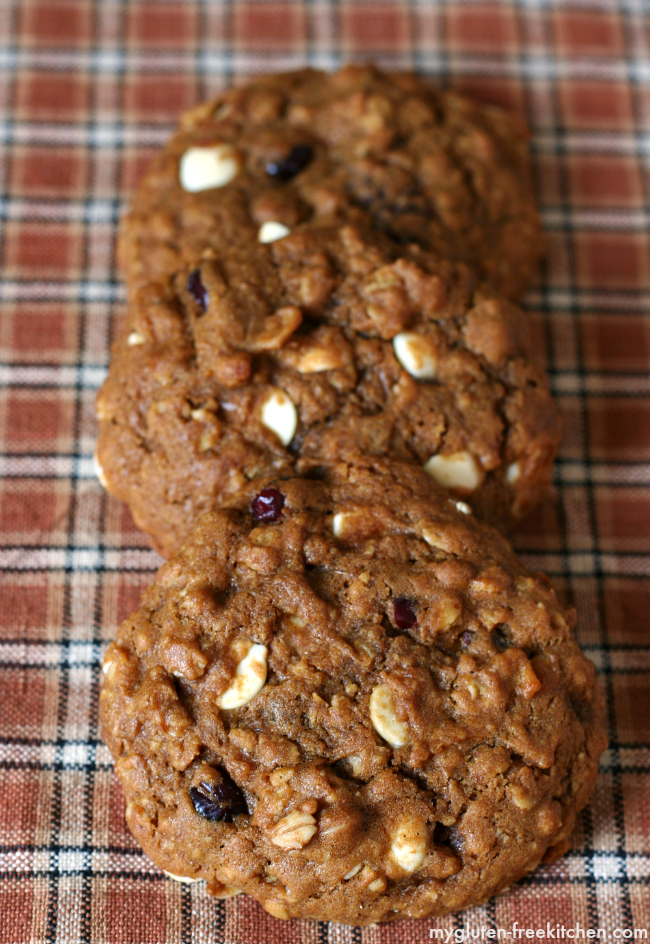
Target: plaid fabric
column 88, row 89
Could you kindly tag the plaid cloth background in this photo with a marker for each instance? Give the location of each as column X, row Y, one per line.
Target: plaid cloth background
column 87, row 91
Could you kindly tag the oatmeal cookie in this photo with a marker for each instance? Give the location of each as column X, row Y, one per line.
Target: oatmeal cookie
column 358, row 146
column 350, row 700
column 265, row 357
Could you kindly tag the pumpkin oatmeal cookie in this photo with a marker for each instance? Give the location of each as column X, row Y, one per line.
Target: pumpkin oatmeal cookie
column 349, row 699
column 329, row 342
column 301, row 268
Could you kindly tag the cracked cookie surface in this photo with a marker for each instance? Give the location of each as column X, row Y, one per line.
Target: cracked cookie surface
column 362, row 146
column 291, row 295
column 328, row 342
column 349, row 699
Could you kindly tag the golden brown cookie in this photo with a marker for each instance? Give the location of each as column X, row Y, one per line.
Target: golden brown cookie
column 289, row 299
column 330, row 341
column 384, row 151
column 350, row 700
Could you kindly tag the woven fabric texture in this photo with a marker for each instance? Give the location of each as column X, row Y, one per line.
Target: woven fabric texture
column 88, row 90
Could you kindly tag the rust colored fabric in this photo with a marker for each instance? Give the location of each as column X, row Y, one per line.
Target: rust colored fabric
column 88, row 90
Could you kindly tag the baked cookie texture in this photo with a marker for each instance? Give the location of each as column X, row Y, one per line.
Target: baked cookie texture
column 328, row 342
column 289, row 299
column 349, row 699
column 357, row 146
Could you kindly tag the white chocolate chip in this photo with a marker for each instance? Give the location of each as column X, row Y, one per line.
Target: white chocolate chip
column 384, row 719
column 317, row 359
column 338, row 524
column 249, row 678
column 353, row 871
column 408, row 845
column 458, row 470
column 359, row 523
column 99, row 472
column 464, row 507
column 135, row 338
column 294, row 830
column 280, row 416
column 272, row 231
column 203, row 168
column 513, row 472
column 182, row 878
column 416, row 354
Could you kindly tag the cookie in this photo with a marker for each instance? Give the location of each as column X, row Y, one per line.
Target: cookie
column 358, row 146
column 333, row 340
column 350, row 700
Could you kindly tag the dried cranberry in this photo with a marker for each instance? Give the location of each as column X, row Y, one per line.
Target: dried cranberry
column 295, row 161
column 466, row 637
column 267, row 505
column 403, row 614
column 219, row 802
column 500, row 640
column 197, row 290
